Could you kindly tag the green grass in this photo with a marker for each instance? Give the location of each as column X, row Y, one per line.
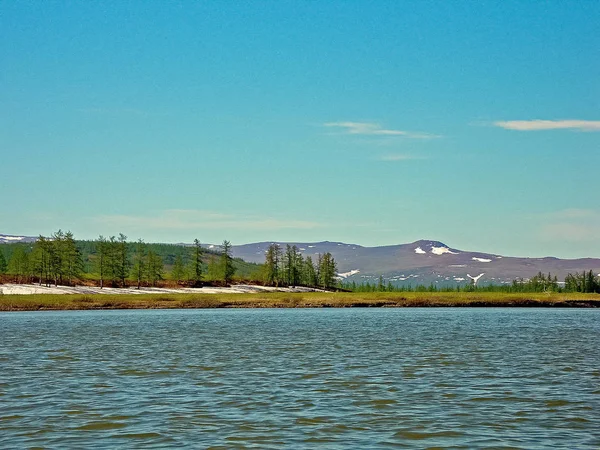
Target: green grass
column 290, row 300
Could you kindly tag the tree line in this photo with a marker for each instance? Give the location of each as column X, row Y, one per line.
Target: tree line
column 584, row 282
column 114, row 261
column 290, row 268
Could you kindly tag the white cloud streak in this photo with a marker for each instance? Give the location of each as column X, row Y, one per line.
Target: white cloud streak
column 398, row 157
column 375, row 129
column 182, row 219
column 537, row 125
column 576, row 225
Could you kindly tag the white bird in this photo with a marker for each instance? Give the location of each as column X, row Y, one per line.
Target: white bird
column 475, row 279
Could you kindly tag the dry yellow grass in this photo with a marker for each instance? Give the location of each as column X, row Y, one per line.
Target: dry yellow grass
column 293, row 300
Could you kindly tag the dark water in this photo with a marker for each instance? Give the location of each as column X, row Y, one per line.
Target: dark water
column 338, row 378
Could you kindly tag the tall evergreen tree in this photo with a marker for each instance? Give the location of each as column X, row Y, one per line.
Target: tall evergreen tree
column 226, row 263
column 196, row 263
column 139, row 262
column 327, row 271
column 178, row 270
column 154, row 267
column 123, row 263
column 3, row 264
column 101, row 247
column 272, row 265
column 310, row 274
column 72, row 262
column 18, row 265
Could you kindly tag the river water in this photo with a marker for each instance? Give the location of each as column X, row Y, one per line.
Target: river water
column 301, row 378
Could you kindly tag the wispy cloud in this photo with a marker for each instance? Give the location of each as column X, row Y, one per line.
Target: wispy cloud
column 536, row 125
column 572, row 225
column 183, row 219
column 399, row 157
column 375, row 129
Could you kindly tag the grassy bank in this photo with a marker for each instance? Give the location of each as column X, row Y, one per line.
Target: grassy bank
column 293, row 300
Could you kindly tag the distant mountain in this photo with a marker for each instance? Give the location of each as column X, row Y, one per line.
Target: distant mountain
column 425, row 262
column 420, row 262
column 8, row 239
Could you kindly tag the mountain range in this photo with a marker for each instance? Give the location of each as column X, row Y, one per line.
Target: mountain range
column 419, row 262
column 425, row 262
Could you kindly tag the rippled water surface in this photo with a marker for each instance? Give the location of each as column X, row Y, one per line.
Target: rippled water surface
column 329, row 378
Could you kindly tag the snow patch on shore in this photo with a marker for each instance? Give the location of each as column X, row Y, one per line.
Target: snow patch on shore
column 474, row 258
column 25, row 289
column 420, row 251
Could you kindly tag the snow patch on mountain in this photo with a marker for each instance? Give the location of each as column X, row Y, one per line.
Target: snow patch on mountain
column 442, row 250
column 420, row 251
column 474, row 258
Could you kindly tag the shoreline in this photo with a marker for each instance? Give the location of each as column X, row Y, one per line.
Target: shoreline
column 288, row 299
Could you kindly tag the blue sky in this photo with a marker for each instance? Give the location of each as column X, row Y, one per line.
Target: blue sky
column 371, row 122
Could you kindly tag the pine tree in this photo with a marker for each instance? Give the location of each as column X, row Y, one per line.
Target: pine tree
column 122, row 258
column 310, row 274
column 178, row 271
column 154, row 267
column 101, row 247
column 3, row 264
column 72, row 262
column 18, row 265
column 139, row 262
column 196, row 263
column 272, row 265
column 226, row 263
column 327, row 271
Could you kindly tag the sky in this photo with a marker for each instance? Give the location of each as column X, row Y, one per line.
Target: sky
column 474, row 123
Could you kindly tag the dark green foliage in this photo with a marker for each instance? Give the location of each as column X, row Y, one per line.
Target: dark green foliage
column 178, row 270
column 196, row 263
column 138, row 269
column 3, row 264
column 18, row 265
column 226, row 266
column 154, row 267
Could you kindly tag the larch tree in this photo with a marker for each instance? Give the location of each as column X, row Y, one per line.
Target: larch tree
column 226, row 263
column 139, row 262
column 18, row 265
column 154, row 267
column 178, row 270
column 101, row 257
column 196, row 263
column 3, row 264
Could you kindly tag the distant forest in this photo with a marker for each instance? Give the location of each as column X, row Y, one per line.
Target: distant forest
column 114, row 261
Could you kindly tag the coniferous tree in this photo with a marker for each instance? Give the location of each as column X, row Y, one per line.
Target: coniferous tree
column 42, row 260
column 3, row 264
column 102, row 249
column 72, row 262
column 327, row 270
column 18, row 265
column 139, row 262
column 196, row 263
column 310, row 274
column 122, row 258
column 272, row 265
column 178, row 270
column 154, row 267
column 226, row 263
